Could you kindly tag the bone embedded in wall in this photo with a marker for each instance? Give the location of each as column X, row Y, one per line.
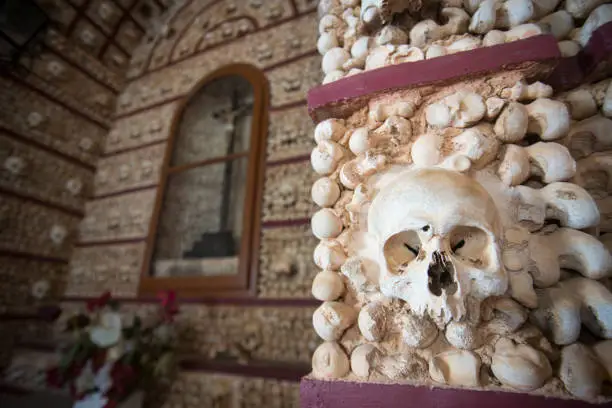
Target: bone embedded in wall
column 458, row 235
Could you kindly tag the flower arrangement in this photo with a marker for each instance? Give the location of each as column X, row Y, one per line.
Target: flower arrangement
column 108, row 360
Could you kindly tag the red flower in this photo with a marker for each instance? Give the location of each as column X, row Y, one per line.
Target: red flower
column 54, row 378
column 169, row 306
column 111, row 404
column 98, row 359
column 122, row 373
column 99, row 302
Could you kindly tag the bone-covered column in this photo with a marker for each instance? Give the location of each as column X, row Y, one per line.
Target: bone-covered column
column 464, row 224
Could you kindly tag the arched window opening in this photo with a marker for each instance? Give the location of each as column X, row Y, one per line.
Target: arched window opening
column 205, row 229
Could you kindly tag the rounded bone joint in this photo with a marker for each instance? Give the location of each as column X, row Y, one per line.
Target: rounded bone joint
column 375, row 12
column 581, row 373
column 521, row 91
column 382, row 111
column 461, row 45
column 354, row 171
column 334, row 59
column 391, row 34
column 326, row 157
column 594, row 173
column 514, row 168
column 551, row 162
column 329, row 254
column 372, row 321
column 357, row 275
column 379, row 57
column 590, row 135
column 461, row 109
column 603, row 351
column 364, row 360
column 329, row 129
column 329, row 361
column 327, row 286
column 483, row 20
column 581, row 103
column 597, row 299
column 581, row 8
column 566, row 202
column 494, row 107
column 568, row 48
column 513, row 13
column 456, row 367
column 426, row 150
column 560, row 24
column 477, row 144
column 417, row 331
column 360, row 141
column 463, row 335
column 333, row 76
column 325, row 192
column 326, row 42
column 330, row 22
column 331, row 319
column 544, row 7
column 428, row 30
column 326, row 224
column 557, row 315
column 606, row 106
column 361, row 47
column 523, row 31
column 520, row 366
column 548, row 119
column 511, row 125
column 598, row 17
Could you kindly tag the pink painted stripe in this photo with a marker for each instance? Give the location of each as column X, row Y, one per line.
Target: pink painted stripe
column 285, row 223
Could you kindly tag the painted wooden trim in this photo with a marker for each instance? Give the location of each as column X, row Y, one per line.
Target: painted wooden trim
column 240, row 284
column 538, row 54
column 349, row 394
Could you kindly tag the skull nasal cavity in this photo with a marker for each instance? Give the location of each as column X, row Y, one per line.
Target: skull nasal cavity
column 440, row 273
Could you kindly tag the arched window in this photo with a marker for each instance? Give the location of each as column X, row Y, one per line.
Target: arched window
column 204, row 235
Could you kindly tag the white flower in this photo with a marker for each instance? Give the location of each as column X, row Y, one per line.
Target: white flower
column 108, row 332
column 86, row 379
column 95, row 400
column 103, row 380
column 40, row 289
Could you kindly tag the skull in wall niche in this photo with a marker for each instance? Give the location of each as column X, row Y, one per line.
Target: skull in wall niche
column 438, row 235
column 286, row 196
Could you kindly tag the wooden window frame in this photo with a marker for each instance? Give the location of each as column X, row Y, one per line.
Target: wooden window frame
column 242, row 284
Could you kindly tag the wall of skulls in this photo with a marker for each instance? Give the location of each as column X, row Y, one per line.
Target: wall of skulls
column 110, row 249
column 108, row 30
column 508, row 314
column 126, row 181
column 82, row 150
column 53, row 125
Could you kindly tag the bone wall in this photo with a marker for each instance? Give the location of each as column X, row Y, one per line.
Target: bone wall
column 54, row 117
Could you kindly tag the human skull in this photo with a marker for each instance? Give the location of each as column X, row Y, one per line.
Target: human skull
column 438, row 235
column 58, row 234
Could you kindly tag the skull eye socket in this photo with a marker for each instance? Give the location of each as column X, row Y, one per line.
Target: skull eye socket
column 470, row 243
column 401, row 248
